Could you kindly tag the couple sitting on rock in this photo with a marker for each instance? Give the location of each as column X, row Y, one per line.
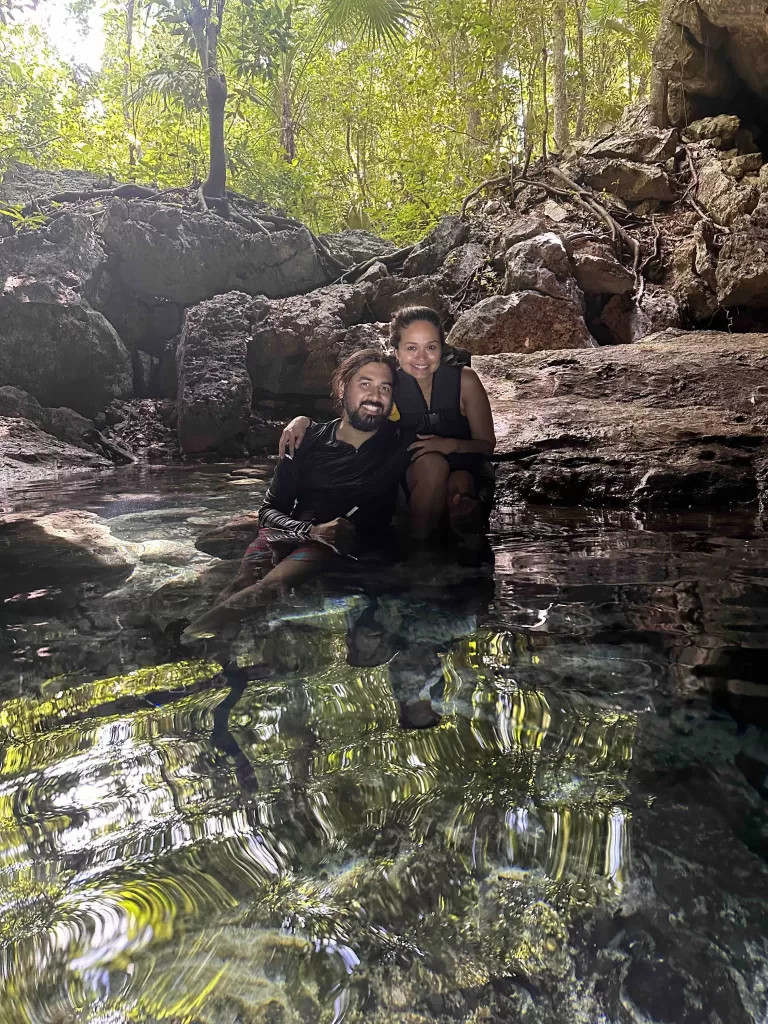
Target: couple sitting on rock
column 426, row 424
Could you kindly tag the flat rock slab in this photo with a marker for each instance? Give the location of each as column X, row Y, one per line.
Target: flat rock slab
column 680, row 419
column 42, row 550
column 28, row 453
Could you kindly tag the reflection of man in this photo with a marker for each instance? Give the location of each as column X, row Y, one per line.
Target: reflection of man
column 335, row 497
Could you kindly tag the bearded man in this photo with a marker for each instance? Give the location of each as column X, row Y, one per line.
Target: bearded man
column 334, row 498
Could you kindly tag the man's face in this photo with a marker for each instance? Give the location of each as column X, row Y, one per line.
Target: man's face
column 368, row 397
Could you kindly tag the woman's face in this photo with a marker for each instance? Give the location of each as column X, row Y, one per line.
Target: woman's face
column 419, row 351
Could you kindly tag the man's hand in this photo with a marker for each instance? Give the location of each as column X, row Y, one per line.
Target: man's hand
column 431, row 443
column 339, row 534
column 293, row 435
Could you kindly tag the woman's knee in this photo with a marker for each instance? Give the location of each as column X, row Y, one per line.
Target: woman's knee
column 431, row 469
column 461, row 482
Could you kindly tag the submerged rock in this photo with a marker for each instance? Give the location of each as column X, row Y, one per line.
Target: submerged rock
column 43, row 550
column 230, row 538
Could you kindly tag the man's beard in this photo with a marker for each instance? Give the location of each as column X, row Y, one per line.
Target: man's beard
column 364, row 419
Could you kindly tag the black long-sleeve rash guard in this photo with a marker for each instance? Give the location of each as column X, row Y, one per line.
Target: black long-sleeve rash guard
column 326, row 478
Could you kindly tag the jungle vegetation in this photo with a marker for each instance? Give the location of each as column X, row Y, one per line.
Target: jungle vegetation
column 380, row 114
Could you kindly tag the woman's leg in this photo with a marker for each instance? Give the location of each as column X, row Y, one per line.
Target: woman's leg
column 427, row 478
column 463, row 507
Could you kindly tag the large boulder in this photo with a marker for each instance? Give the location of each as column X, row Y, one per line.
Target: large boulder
column 39, row 550
column 392, row 293
column 630, row 181
column 642, row 144
column 296, row 343
column 690, row 277
column 723, row 198
column 521, row 322
column 541, row 264
column 742, row 269
column 460, row 264
column 678, row 419
column 52, row 343
column 64, row 424
column 428, row 255
column 597, row 269
column 356, row 246
column 187, row 257
column 28, row 453
column 623, row 320
column 214, row 389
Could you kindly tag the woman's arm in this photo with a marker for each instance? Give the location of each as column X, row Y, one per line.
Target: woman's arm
column 476, row 407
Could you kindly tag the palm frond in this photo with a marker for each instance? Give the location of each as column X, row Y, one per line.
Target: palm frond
column 378, row 22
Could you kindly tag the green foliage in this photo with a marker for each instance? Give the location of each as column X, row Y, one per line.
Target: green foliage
column 370, row 113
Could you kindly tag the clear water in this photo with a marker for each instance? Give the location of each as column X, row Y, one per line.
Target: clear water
column 582, row 838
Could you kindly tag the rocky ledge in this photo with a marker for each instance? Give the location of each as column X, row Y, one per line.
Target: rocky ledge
column 679, row 419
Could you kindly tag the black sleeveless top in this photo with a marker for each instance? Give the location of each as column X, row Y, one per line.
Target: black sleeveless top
column 443, row 415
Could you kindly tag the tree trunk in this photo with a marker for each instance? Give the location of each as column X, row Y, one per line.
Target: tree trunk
column 545, row 129
column 216, row 97
column 129, row 109
column 658, row 98
column 582, row 71
column 287, row 132
column 562, row 133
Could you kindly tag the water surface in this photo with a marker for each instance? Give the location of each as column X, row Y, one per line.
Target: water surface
column 242, row 831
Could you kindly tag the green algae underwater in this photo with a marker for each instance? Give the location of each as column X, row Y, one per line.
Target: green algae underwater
column 244, row 832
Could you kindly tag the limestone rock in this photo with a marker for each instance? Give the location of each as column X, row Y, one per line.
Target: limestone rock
column 28, row 453
column 231, row 538
column 460, row 264
column 721, row 196
column 145, row 368
column 356, row 246
column 541, row 264
column 746, row 163
column 186, row 257
column 691, row 275
column 597, row 269
column 521, row 322
column 429, row 254
column 64, row 424
column 52, row 343
column 214, row 390
column 647, row 144
column 296, row 342
column 365, row 336
column 623, row 321
column 22, row 182
column 633, row 182
column 37, row 550
column 392, row 293
column 742, row 270
column 720, row 130
column 146, row 323
column 374, row 273
column 678, row 419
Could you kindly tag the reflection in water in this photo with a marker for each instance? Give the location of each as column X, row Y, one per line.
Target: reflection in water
column 249, row 834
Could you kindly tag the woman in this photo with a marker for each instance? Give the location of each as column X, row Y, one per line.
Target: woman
column 447, row 409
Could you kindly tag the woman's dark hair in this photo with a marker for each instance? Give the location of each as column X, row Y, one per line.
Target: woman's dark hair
column 346, row 370
column 410, row 315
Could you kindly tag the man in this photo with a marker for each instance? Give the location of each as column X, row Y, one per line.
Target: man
column 334, row 499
